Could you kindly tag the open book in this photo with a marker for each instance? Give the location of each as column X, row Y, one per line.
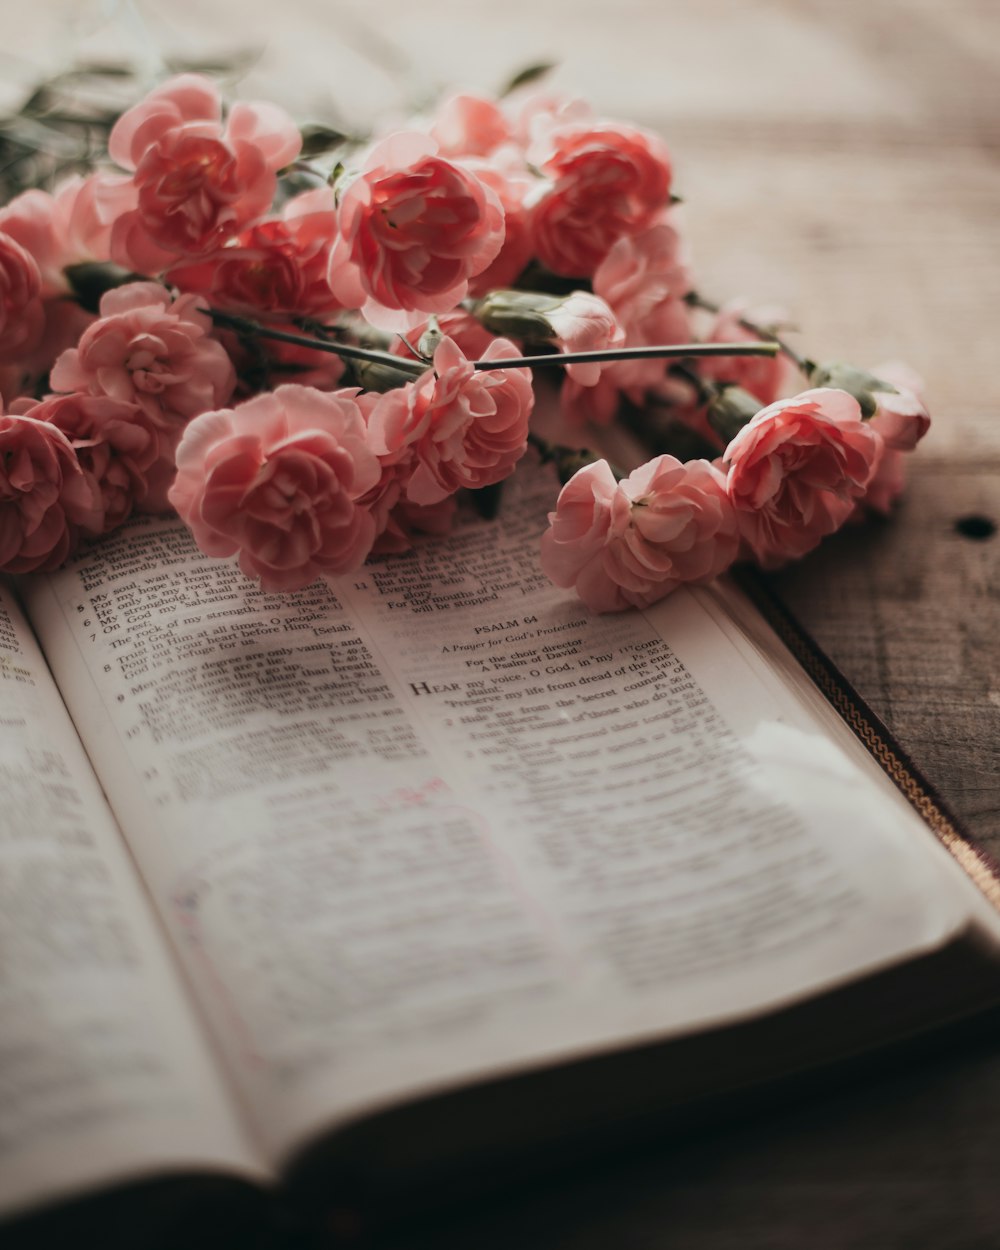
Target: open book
column 427, row 867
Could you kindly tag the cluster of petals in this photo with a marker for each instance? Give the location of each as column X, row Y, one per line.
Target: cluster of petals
column 462, row 427
column 901, row 420
column 195, row 181
column 412, row 229
column 277, row 267
column 796, row 471
column 278, row 480
column 152, row 350
column 123, row 453
column 767, row 378
column 630, row 543
column 68, row 227
column 22, row 318
column 45, row 496
column 606, row 181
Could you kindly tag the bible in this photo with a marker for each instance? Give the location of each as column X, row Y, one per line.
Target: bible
column 318, row 899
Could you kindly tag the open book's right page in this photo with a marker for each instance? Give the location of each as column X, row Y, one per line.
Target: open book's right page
column 439, row 822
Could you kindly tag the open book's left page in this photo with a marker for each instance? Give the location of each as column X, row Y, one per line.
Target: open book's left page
column 104, row 1074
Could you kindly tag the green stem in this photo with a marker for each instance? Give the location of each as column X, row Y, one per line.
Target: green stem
column 680, row 351
column 803, row 363
column 347, row 351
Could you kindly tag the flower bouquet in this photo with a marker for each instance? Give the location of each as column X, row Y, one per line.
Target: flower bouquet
column 308, row 345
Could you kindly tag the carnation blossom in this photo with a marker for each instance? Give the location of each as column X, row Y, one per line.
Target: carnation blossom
column 644, row 279
column 465, row 427
column 278, row 480
column 278, row 266
column 796, row 470
column 22, row 318
column 413, row 229
column 630, row 543
column 765, row 377
column 195, row 182
column 606, row 181
column 45, row 497
column 901, row 416
column 67, row 227
column 583, row 322
column 126, row 457
column 470, row 125
column 901, row 420
column 151, row 350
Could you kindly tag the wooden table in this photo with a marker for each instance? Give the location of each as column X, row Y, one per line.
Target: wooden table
column 841, row 159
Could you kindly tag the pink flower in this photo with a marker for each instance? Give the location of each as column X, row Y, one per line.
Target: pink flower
column 584, row 323
column 44, row 496
column 196, row 184
column 885, row 485
column 149, row 350
column 407, row 520
column 278, row 267
column 397, row 519
column 278, row 480
column 902, row 418
column 630, row 543
column 594, row 405
column 606, row 181
column 470, row 125
column 121, row 450
column 22, row 318
column 62, row 229
column 796, row 470
column 764, row 377
column 514, row 188
column 538, row 113
column 414, row 228
column 465, row 427
column 644, row 280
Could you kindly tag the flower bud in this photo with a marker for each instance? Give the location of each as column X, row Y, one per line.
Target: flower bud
column 518, row 314
column 730, row 410
column 857, row 382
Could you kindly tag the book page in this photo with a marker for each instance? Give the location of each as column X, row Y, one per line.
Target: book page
column 104, row 1076
column 437, row 820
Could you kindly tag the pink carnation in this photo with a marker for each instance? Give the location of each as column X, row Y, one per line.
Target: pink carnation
column 584, row 323
column 65, row 228
column 514, row 189
column 44, row 496
column 152, row 351
column 466, row 428
column 765, row 377
column 630, row 543
column 644, row 280
column 278, row 480
column 902, row 418
column 796, row 470
column 397, row 519
column 196, row 183
column 414, row 228
column 278, row 267
column 22, row 318
column 126, row 457
column 538, row 113
column 470, row 125
column 606, row 181
column 885, row 485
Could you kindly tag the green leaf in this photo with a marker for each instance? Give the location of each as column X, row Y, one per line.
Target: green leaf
column 530, row 73
column 317, row 139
